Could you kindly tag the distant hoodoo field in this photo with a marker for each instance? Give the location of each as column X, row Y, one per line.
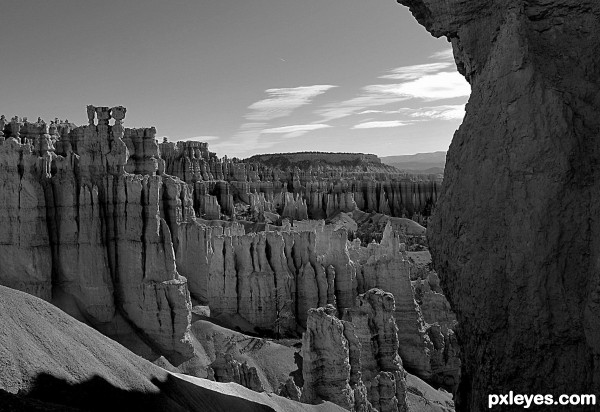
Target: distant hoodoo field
column 254, row 272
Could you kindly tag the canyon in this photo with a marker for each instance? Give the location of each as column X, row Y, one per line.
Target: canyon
column 221, row 269
column 142, row 273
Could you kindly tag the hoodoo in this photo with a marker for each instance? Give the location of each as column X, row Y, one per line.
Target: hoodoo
column 166, row 248
column 516, row 233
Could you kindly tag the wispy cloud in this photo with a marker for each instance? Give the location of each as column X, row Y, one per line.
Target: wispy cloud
column 438, row 86
column 279, row 103
column 381, row 124
column 369, row 98
column 416, row 71
column 442, row 112
column 443, row 55
column 427, row 82
column 296, row 130
column 445, row 112
column 201, row 138
column 370, row 111
column 282, row 102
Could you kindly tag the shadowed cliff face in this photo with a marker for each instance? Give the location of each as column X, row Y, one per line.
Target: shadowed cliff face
column 515, row 236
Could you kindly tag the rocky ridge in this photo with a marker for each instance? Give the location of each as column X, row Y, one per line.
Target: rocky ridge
column 314, row 192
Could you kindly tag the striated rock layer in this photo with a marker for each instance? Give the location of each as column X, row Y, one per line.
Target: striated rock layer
column 94, row 224
column 385, row 266
column 80, row 230
column 515, row 236
column 354, row 362
column 324, row 184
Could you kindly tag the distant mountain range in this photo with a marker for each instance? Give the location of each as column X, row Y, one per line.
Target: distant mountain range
column 420, row 163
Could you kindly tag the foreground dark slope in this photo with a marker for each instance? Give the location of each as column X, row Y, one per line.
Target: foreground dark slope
column 54, row 362
column 516, row 233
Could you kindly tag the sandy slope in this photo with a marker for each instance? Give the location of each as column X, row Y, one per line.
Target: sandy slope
column 273, row 361
column 424, row 398
column 49, row 356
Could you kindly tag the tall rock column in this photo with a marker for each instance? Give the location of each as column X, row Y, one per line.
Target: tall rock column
column 372, row 320
column 326, row 360
column 515, row 238
column 25, row 253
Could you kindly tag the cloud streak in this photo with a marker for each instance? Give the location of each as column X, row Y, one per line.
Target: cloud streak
column 438, row 86
column 296, row 130
column 443, row 112
column 282, row 102
column 381, row 124
column 369, row 98
column 201, row 138
column 443, row 55
column 416, row 71
column 446, row 112
column 426, row 82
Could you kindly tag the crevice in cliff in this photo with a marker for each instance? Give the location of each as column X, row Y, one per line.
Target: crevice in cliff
column 52, row 228
column 145, row 202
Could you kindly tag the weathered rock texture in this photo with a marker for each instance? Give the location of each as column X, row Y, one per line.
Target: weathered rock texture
column 515, row 238
column 93, row 223
column 374, row 327
column 298, row 185
column 440, row 325
column 80, row 230
column 227, row 369
column 326, row 360
column 52, row 362
column 385, row 266
column 354, row 363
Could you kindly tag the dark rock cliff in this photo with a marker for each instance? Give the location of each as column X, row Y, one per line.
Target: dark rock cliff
column 515, row 235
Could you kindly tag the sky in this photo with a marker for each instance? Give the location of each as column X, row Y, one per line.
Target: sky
column 247, row 76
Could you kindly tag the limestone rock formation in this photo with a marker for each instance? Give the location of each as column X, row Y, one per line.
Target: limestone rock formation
column 290, row 390
column 374, row 326
column 354, row 363
column 79, row 229
column 515, row 238
column 227, row 369
column 293, row 187
column 445, row 357
column 24, row 241
column 386, row 266
column 440, row 323
column 326, row 360
column 97, row 221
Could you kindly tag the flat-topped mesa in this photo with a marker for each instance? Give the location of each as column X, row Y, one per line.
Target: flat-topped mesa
column 516, row 238
column 315, row 158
